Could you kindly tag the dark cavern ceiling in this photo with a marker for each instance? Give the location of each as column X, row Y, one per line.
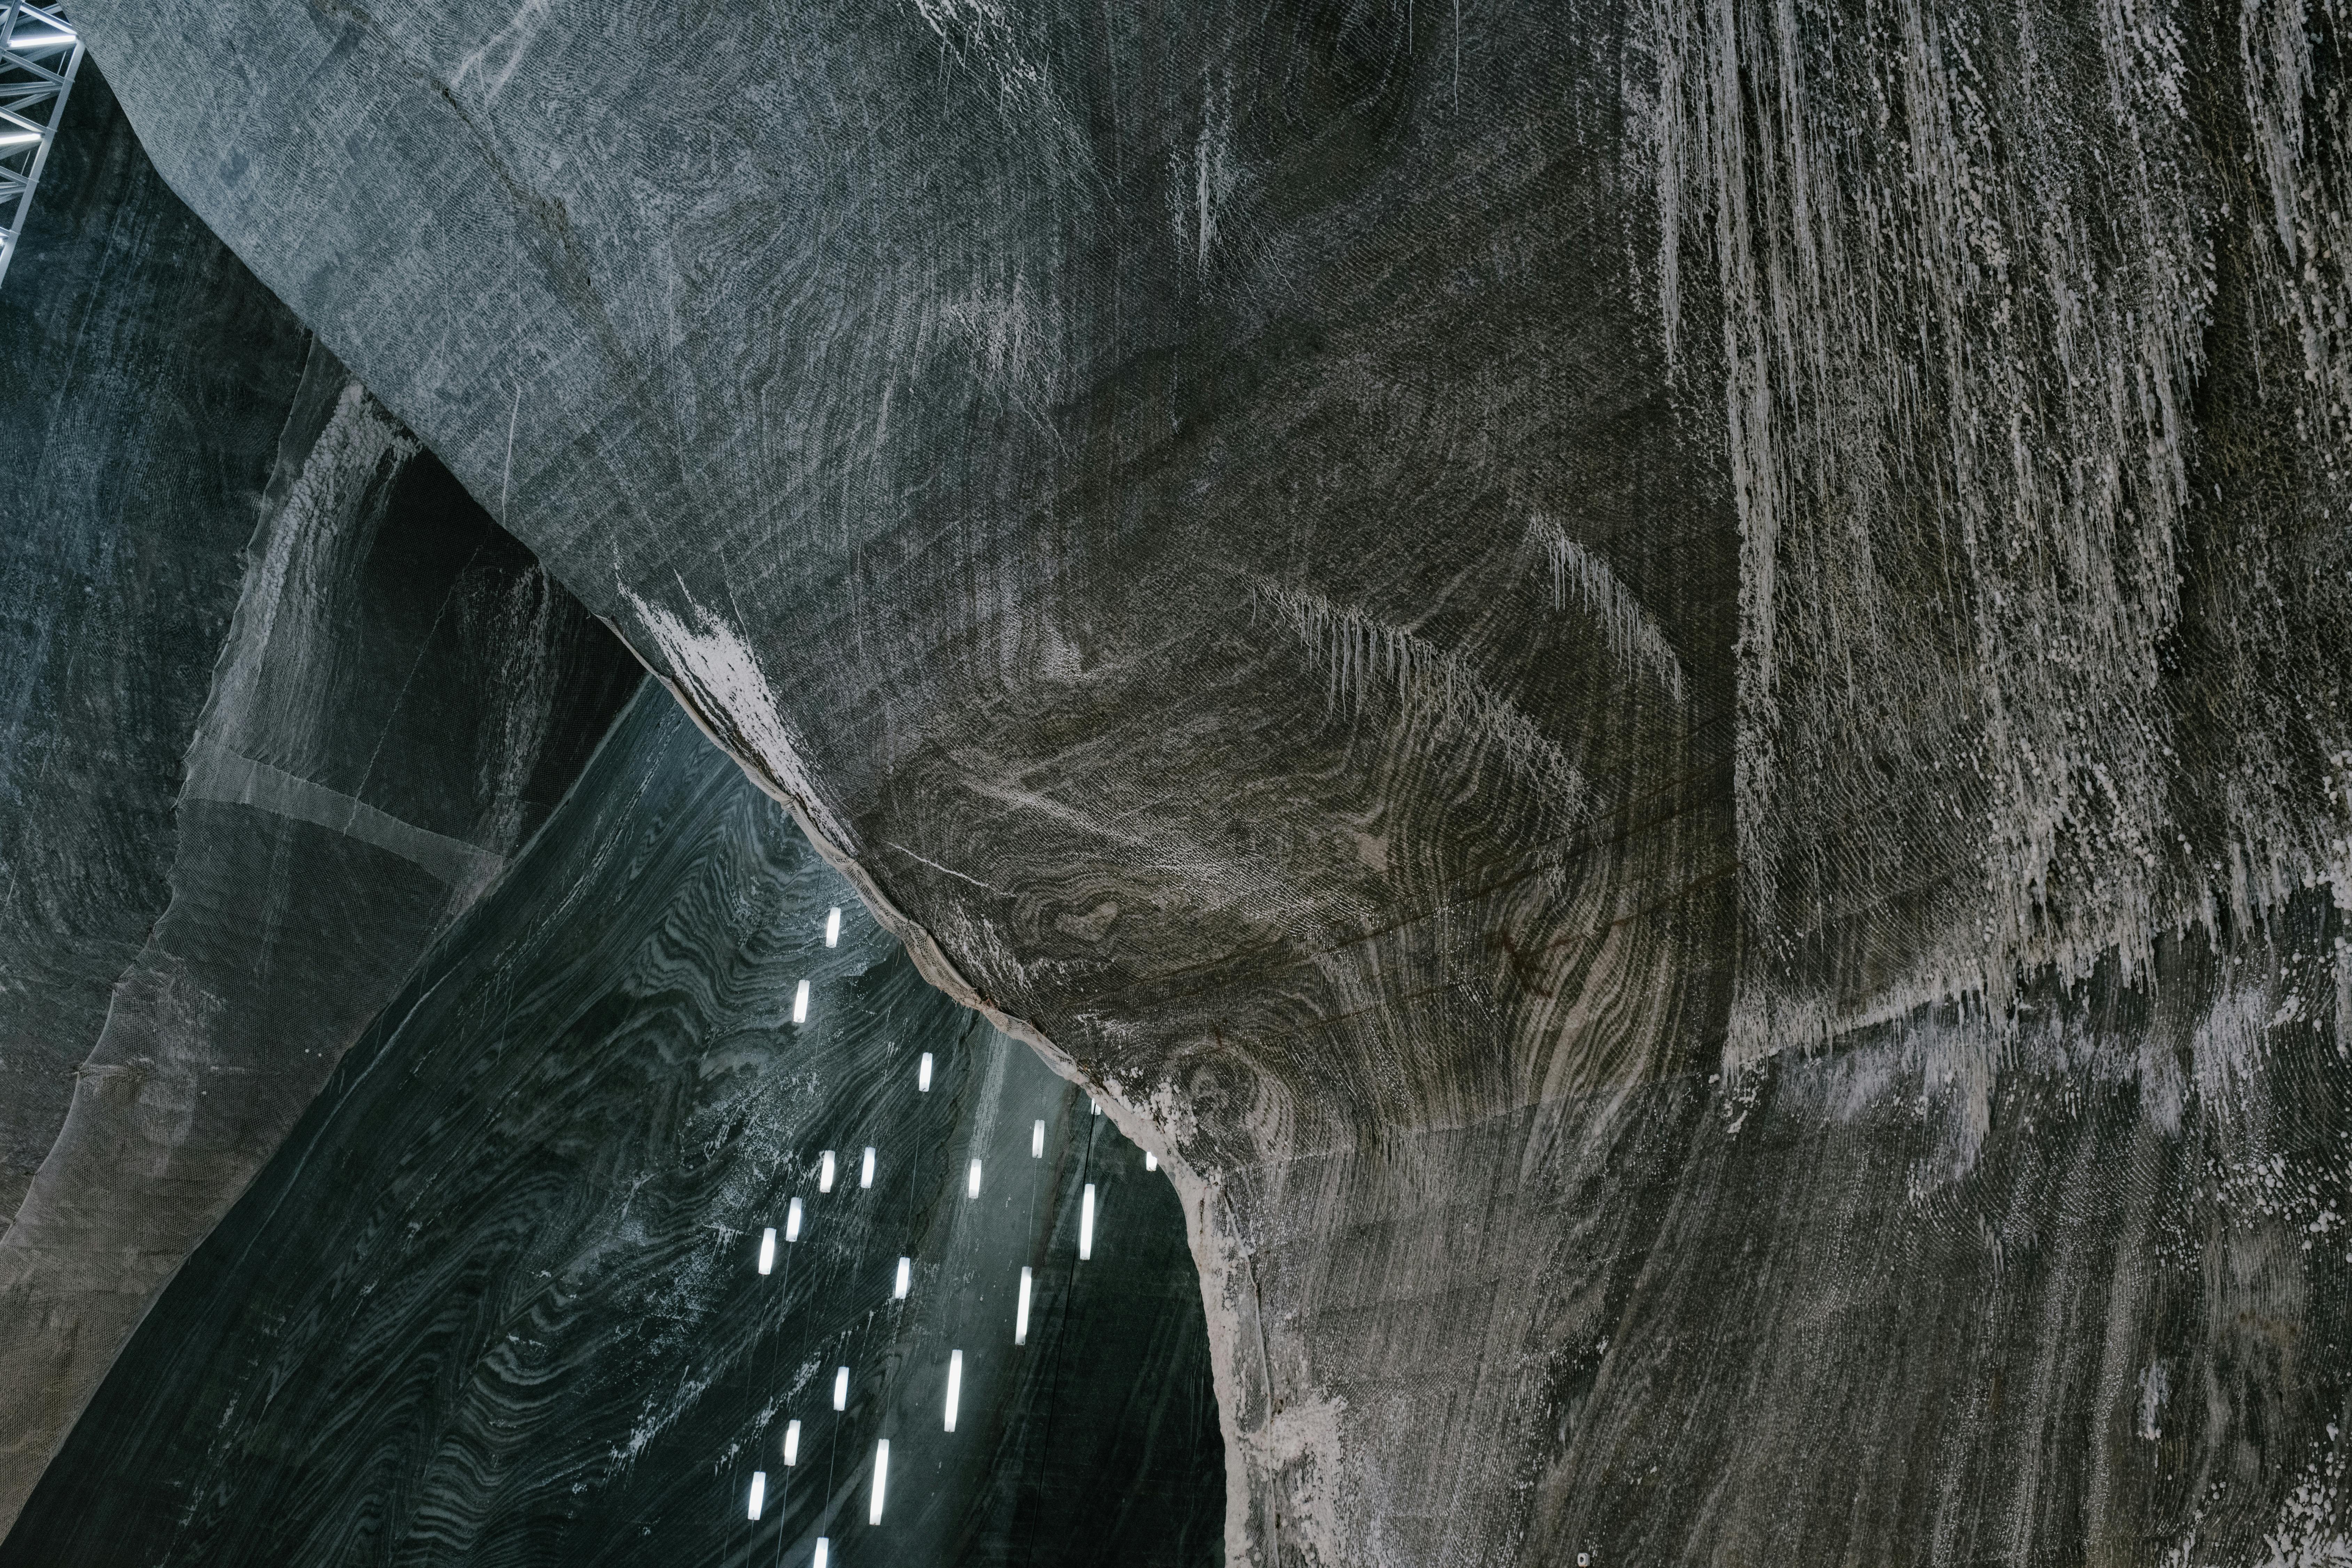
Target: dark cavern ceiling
column 498, row 1298
column 1654, row 696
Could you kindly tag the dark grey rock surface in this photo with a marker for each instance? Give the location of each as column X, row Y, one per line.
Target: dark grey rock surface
column 149, row 375
column 397, row 697
column 497, row 1301
column 1037, row 444
column 1660, row 688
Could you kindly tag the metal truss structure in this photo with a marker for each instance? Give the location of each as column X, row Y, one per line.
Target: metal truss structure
column 39, row 52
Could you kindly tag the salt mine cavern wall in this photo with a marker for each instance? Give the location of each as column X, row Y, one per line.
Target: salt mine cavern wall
column 497, row 1300
column 114, row 622
column 249, row 771
column 1658, row 689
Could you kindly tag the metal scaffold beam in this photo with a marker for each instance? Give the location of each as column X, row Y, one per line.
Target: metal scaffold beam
column 39, row 52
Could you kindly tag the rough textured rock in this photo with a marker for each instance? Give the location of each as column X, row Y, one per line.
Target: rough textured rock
column 497, row 1301
column 1662, row 687
column 399, row 698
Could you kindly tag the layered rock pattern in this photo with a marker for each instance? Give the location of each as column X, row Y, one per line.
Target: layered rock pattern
column 396, row 700
column 497, row 1300
column 1057, row 486
column 1658, row 689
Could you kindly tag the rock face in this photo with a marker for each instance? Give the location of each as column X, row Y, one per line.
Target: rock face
column 497, row 1300
column 1661, row 690
column 1146, row 625
column 396, row 700
column 135, row 340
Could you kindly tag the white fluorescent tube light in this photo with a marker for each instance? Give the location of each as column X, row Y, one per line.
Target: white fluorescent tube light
column 818, row 1561
column 792, row 1221
column 832, row 928
column 800, row 1002
column 881, row 1479
column 1087, row 1223
column 840, row 1388
column 971, row 1179
column 1036, row 1141
column 759, row 1493
column 19, row 138
column 1150, row 1161
column 1096, row 1103
column 791, row 1444
column 767, row 1249
column 825, row 1171
column 923, row 1074
column 906, row 1278
column 1021, row 1313
column 955, row 1384
column 865, row 1169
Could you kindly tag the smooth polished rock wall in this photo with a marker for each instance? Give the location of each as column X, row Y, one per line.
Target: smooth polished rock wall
column 497, row 1301
column 148, row 378
column 397, row 696
column 1651, row 680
